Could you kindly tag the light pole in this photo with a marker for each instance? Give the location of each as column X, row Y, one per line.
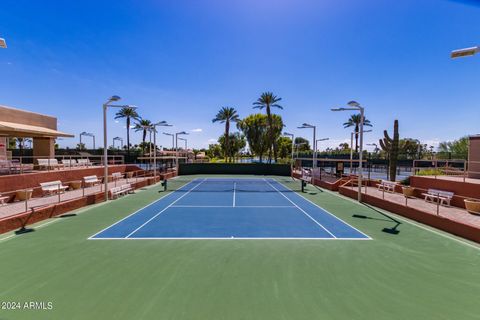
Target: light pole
column 322, row 139
column 154, row 126
column 118, row 139
column 375, row 150
column 185, row 140
column 176, row 147
column 173, row 138
column 105, row 106
column 353, row 105
column 465, row 52
column 292, row 136
column 309, row 126
column 86, row 134
column 3, row 43
column 351, row 147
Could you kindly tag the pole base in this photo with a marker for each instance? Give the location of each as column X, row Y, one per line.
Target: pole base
column 23, row 230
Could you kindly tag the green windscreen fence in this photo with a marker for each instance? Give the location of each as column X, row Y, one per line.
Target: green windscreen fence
column 234, row 168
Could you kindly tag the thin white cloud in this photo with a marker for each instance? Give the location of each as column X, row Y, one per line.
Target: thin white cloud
column 197, row 130
column 212, row 140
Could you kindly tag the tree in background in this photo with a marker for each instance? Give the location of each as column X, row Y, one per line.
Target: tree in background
column 411, row 149
column 214, row 151
column 354, row 121
column 144, row 126
column 81, row 146
column 302, row 144
column 457, row 148
column 128, row 114
column 268, row 101
column 226, row 115
column 236, row 143
column 255, row 129
column 284, row 145
column 12, row 143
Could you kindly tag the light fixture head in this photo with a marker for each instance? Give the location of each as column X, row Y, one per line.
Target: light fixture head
column 114, row 98
column 354, row 104
column 464, row 52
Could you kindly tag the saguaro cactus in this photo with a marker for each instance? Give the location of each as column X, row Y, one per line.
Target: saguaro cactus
column 390, row 146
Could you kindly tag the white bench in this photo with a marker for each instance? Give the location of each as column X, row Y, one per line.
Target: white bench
column 69, row 162
column 3, row 200
column 120, row 191
column 84, row 162
column 91, row 181
column 386, row 185
column 49, row 164
column 52, row 187
column 442, row 196
column 117, row 176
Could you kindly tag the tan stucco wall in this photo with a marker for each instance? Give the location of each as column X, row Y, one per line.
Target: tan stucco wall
column 43, row 147
column 474, row 157
column 25, row 117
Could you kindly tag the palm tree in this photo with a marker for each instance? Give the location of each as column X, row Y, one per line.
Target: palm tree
column 268, row 100
column 226, row 115
column 145, row 126
column 127, row 113
column 354, row 121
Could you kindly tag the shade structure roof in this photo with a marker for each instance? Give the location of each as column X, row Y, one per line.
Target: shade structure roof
column 13, row 129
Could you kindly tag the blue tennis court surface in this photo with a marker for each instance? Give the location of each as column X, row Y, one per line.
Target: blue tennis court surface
column 214, row 208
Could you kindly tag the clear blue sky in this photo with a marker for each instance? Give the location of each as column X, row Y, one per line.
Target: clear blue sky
column 181, row 61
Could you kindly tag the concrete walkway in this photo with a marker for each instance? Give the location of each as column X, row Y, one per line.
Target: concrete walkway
column 452, row 213
column 17, row 207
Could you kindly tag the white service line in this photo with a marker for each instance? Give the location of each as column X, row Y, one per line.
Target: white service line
column 201, row 206
column 323, row 209
column 131, row 214
column 304, row 212
column 234, row 188
column 171, row 204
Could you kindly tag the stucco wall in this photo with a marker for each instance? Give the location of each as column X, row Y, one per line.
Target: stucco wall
column 25, row 117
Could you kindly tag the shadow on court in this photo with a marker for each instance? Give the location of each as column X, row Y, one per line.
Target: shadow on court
column 392, row 230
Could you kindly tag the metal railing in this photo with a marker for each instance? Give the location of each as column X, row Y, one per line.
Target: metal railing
column 353, row 184
column 458, row 168
column 24, row 164
column 22, row 200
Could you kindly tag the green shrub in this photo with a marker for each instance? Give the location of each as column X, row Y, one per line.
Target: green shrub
column 430, row 172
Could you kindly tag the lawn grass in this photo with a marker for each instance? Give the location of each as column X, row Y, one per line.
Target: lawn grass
column 415, row 274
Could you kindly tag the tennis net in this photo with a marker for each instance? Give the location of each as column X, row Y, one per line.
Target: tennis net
column 237, row 185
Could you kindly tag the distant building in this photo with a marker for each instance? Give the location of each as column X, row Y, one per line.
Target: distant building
column 42, row 129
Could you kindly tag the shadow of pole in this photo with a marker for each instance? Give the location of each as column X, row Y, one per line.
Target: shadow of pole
column 392, row 230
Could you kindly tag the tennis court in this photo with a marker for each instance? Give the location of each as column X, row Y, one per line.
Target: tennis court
column 183, row 263
column 221, row 208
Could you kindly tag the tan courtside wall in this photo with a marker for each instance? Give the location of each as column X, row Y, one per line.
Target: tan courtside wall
column 474, row 157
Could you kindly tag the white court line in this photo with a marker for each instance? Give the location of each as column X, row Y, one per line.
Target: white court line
column 171, row 204
column 318, row 223
column 231, row 238
column 151, row 203
column 323, row 209
column 201, row 206
column 234, row 190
